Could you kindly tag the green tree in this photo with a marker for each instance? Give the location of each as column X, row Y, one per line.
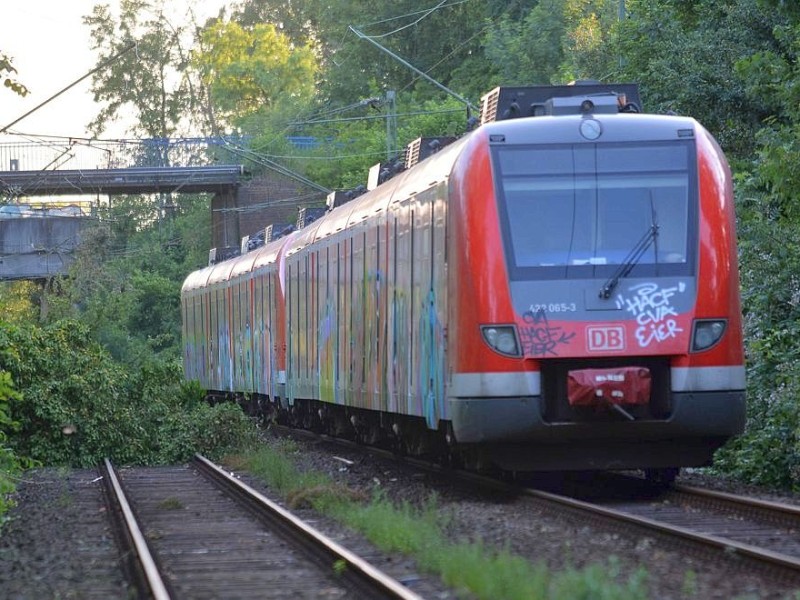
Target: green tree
column 153, row 78
column 529, row 50
column 589, row 43
column 18, row 299
column 444, row 41
column 772, row 79
column 11, row 465
column 77, row 405
column 251, row 69
column 684, row 54
column 769, row 452
column 125, row 281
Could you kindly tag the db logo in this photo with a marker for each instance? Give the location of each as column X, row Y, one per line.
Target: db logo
column 605, row 339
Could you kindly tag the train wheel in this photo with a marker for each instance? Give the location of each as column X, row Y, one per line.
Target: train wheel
column 663, row 477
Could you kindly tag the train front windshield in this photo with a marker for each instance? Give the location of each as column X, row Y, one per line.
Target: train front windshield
column 579, row 210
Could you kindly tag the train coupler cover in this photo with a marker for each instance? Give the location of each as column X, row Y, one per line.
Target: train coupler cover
column 609, row 387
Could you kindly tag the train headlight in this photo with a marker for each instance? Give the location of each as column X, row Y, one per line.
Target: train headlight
column 502, row 339
column 707, row 333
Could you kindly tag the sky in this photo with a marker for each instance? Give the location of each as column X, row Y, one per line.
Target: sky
column 50, row 47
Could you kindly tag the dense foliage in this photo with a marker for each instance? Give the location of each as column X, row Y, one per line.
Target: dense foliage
column 77, row 405
column 11, row 465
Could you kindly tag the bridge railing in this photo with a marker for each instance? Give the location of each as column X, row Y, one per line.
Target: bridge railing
column 77, row 153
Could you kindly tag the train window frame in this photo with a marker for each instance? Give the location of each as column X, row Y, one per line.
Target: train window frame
column 592, row 270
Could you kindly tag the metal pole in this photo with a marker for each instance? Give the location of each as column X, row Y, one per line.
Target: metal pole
column 621, row 17
column 391, row 125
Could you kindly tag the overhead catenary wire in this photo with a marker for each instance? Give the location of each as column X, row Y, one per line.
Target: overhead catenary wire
column 406, row 26
column 271, row 164
column 376, row 117
column 422, row 74
column 267, row 204
column 99, row 67
column 426, row 12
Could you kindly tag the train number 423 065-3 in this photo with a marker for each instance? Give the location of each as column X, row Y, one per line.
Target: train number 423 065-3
column 554, row 307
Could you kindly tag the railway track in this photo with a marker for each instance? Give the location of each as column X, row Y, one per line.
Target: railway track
column 758, row 534
column 763, row 534
column 197, row 532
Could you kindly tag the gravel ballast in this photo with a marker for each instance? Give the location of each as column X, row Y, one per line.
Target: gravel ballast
column 45, row 552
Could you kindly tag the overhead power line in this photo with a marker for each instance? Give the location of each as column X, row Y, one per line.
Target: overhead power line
column 374, row 117
column 271, row 164
column 99, row 67
column 422, row 74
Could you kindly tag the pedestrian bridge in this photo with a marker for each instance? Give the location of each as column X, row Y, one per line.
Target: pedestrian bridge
column 39, row 243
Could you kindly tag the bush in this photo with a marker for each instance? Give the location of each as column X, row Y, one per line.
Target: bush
column 79, row 406
column 769, row 451
column 11, row 465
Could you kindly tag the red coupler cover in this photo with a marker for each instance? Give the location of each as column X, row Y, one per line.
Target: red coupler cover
column 622, row 385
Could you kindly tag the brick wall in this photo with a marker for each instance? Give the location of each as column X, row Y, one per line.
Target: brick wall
column 265, row 199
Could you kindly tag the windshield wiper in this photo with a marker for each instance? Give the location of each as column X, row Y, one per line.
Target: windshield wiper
column 633, row 258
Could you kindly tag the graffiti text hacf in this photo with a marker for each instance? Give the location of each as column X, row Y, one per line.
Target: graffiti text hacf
column 652, row 307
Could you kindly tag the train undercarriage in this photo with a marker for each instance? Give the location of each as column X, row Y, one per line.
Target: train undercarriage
column 410, row 436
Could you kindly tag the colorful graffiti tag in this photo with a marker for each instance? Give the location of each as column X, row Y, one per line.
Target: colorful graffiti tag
column 654, row 312
column 539, row 338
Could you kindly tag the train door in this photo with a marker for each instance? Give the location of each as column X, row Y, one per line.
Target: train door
column 374, row 372
column 258, row 332
column 230, row 335
column 249, row 331
column 327, row 332
column 345, row 321
column 196, row 336
column 439, row 277
column 358, row 317
column 271, row 341
column 214, row 340
column 400, row 329
column 234, row 290
column 314, row 316
column 291, row 328
column 337, row 292
column 427, row 373
column 306, row 299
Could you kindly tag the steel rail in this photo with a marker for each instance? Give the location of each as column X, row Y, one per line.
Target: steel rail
column 724, row 544
column 788, row 510
column 151, row 575
column 718, row 543
column 363, row 571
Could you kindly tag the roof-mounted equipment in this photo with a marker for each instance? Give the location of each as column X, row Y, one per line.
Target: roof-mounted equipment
column 308, row 214
column 587, row 97
column 217, row 255
column 383, row 172
column 277, row 230
column 421, row 148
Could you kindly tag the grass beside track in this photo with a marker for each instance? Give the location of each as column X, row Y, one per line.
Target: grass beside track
column 480, row 571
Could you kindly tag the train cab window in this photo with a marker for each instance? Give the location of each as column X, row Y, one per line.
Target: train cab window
column 583, row 208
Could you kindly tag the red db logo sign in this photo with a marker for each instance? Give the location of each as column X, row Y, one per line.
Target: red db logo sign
column 605, row 339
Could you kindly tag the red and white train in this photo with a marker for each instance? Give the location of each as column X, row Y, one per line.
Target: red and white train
column 549, row 292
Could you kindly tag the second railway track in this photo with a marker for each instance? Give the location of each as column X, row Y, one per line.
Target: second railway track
column 761, row 533
column 206, row 544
